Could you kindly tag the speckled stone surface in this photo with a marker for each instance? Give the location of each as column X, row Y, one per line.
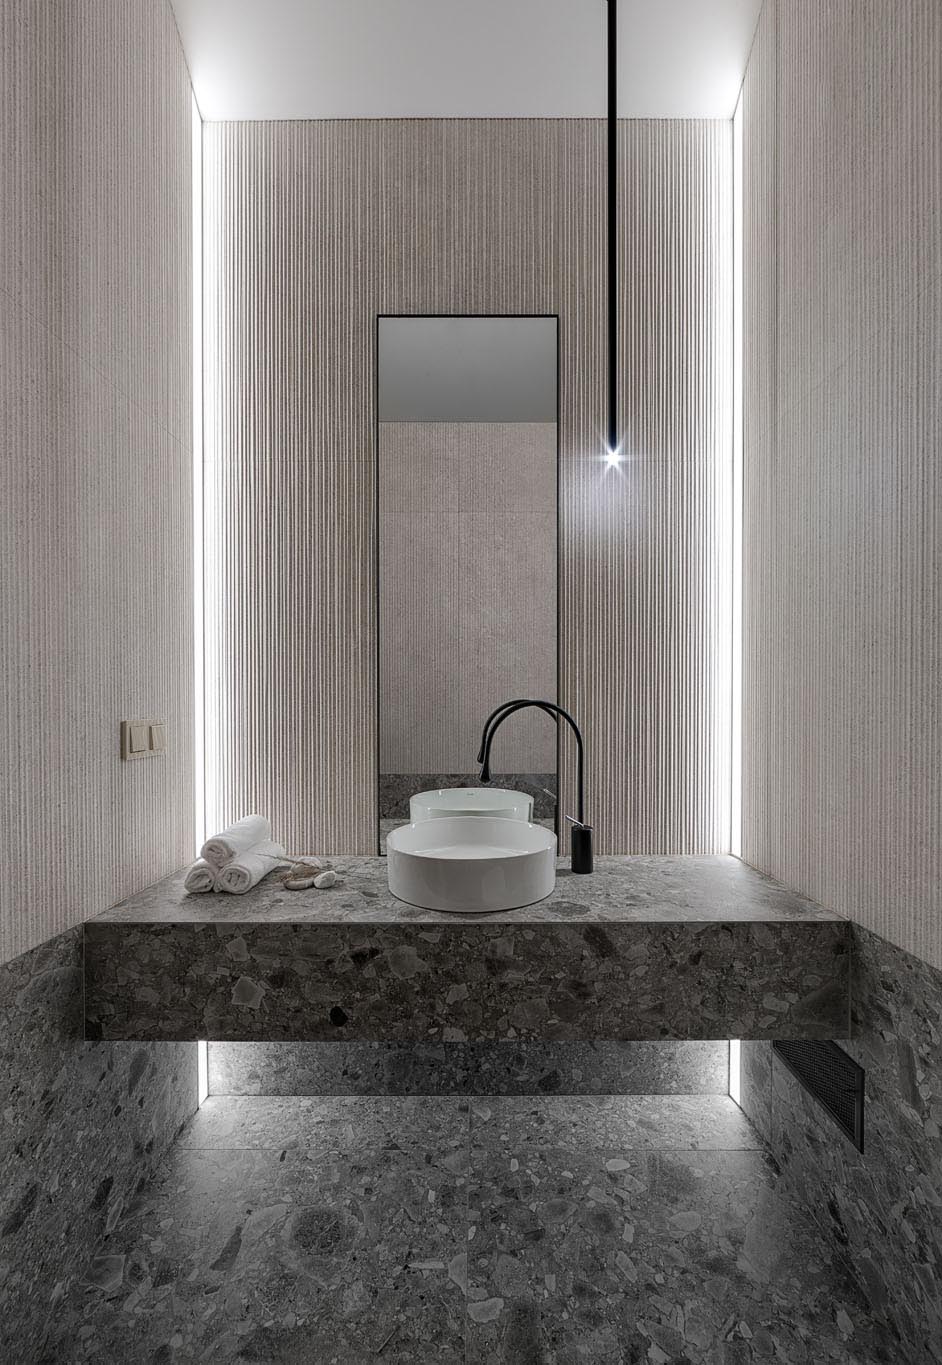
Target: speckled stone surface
column 469, row 1068
column 395, row 789
column 607, row 1251
column 647, row 948
column 709, row 889
column 82, row 1125
column 434, row 1230
column 883, row 1206
column 323, row 1235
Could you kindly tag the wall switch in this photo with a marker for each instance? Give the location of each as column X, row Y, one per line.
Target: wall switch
column 142, row 738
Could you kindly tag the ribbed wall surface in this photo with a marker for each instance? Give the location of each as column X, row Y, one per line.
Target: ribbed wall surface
column 95, row 406
column 842, row 472
column 314, row 228
column 647, row 560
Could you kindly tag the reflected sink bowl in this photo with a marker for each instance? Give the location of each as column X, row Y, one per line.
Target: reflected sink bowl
column 471, row 864
column 459, row 801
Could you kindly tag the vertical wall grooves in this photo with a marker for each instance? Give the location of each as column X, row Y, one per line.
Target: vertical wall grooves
column 95, row 400
column 314, row 228
column 842, row 630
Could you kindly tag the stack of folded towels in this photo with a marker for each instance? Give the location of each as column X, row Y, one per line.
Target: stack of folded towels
column 236, row 859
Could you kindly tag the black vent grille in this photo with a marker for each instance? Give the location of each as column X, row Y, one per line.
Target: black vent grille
column 832, row 1078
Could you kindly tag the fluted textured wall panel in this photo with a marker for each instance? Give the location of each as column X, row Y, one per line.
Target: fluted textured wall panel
column 467, row 571
column 842, row 471
column 95, row 406
column 314, row 228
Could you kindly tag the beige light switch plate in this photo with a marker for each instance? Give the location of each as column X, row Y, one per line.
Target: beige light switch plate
column 143, row 738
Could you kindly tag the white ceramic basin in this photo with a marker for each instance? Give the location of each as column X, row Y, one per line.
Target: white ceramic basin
column 454, row 801
column 471, row 864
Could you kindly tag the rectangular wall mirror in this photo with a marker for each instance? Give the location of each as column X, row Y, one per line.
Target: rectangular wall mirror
column 467, row 503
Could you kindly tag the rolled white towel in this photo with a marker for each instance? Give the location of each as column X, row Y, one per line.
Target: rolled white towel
column 200, row 877
column 244, row 871
column 238, row 838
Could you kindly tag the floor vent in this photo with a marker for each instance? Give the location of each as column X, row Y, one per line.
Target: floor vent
column 833, row 1078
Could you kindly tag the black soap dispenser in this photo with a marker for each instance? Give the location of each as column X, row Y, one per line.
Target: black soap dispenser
column 580, row 846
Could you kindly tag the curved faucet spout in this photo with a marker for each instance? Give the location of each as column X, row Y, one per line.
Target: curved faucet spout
column 582, row 833
column 506, row 707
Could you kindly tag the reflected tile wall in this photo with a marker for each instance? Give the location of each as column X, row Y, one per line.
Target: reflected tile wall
column 467, row 569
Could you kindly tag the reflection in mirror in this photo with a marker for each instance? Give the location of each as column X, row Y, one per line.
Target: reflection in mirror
column 467, row 506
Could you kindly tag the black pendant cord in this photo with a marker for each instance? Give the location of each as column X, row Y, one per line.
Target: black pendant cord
column 612, row 223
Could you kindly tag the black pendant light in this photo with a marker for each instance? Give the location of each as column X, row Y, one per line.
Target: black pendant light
column 612, row 444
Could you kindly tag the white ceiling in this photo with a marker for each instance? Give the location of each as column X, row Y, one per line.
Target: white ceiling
column 294, row 59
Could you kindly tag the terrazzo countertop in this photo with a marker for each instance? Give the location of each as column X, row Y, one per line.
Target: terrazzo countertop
column 645, row 948
column 620, row 890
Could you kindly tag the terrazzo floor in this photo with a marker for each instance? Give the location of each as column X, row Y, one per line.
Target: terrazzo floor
column 338, row 1231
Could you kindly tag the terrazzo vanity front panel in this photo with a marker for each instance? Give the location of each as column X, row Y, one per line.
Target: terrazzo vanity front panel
column 647, row 948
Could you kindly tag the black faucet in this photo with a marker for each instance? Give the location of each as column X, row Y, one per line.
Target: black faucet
column 581, row 837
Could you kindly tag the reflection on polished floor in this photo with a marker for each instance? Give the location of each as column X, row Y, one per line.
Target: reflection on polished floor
column 337, row 1231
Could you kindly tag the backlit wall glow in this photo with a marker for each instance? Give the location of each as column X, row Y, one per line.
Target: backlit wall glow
column 310, row 230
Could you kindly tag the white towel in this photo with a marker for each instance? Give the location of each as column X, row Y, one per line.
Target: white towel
column 244, row 871
column 201, row 877
column 238, row 838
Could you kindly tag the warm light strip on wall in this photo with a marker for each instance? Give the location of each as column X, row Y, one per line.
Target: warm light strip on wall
column 735, row 823
column 199, row 728
column 202, row 1071
column 735, row 1068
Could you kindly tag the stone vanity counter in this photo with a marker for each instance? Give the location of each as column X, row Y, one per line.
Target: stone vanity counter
column 645, row 948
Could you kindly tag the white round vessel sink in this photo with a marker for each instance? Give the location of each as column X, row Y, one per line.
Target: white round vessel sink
column 456, row 801
column 471, row 864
